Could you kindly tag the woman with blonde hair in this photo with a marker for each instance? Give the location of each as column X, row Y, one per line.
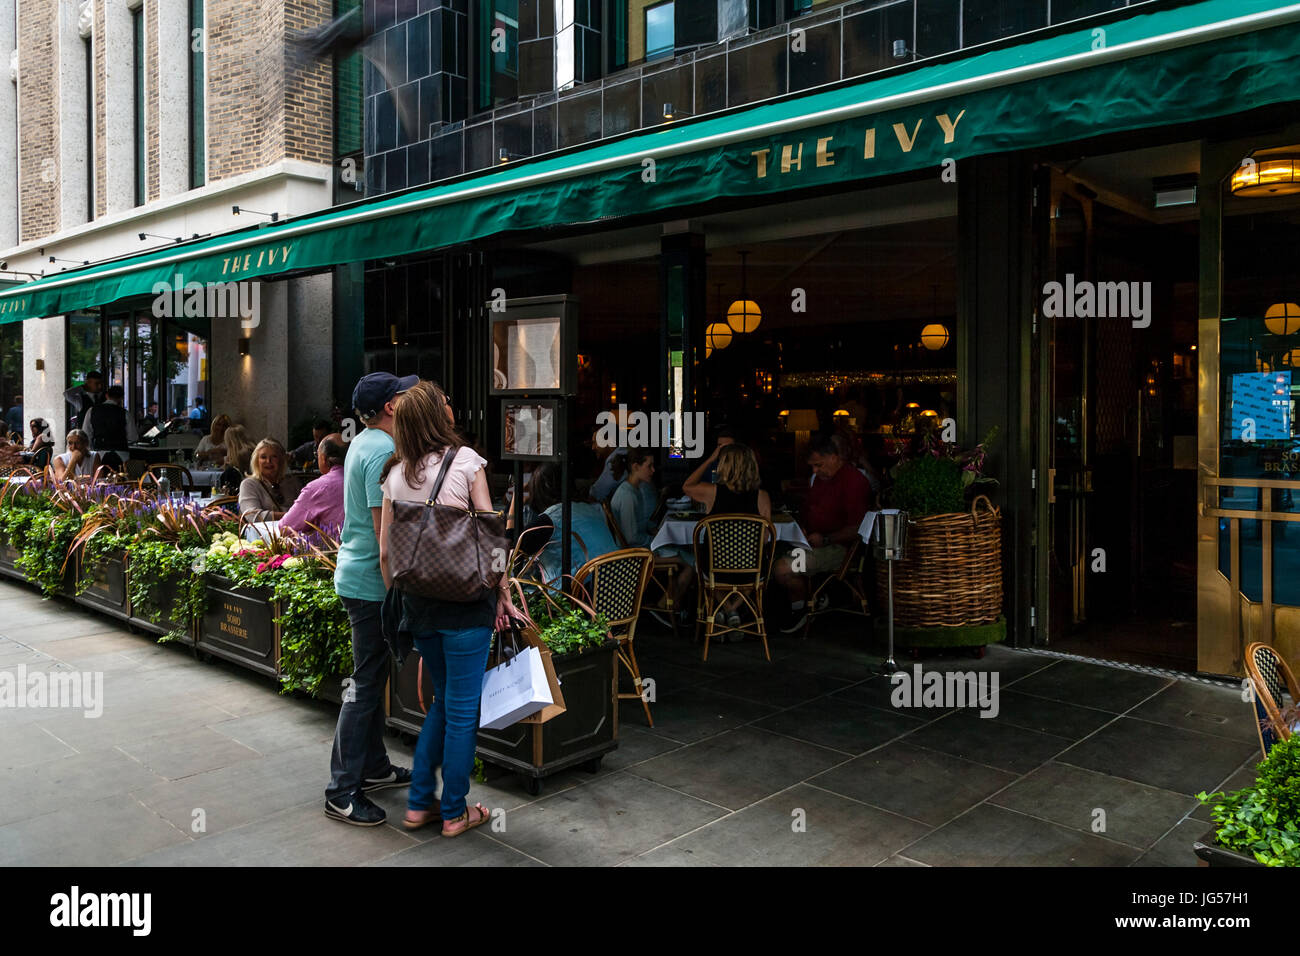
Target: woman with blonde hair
column 452, row 637
column 77, row 461
column 239, row 449
column 737, row 490
column 212, row 446
column 269, row 492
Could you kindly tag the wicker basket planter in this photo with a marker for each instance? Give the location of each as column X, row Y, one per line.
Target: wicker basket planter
column 951, row 573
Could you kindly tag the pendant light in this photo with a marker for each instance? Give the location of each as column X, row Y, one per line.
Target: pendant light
column 744, row 314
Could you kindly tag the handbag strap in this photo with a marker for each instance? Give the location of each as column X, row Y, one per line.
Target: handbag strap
column 448, row 456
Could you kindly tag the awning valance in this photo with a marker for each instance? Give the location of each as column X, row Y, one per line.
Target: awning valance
column 1198, row 61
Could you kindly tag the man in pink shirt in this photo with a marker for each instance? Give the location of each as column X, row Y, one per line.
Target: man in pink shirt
column 321, row 502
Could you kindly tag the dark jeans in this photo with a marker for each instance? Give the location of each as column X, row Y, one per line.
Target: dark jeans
column 359, row 751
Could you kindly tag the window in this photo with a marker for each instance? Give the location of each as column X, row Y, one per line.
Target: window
column 90, row 128
column 198, row 103
column 497, row 63
column 659, row 31
column 349, row 104
column 137, row 29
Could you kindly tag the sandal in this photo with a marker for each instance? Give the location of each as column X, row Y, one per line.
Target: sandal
column 415, row 819
column 483, row 816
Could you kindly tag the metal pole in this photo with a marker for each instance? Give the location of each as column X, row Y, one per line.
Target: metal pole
column 890, row 665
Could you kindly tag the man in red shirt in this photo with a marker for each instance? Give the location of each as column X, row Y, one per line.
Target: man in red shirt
column 837, row 502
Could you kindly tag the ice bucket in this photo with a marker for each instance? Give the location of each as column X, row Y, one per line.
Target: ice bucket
column 890, row 536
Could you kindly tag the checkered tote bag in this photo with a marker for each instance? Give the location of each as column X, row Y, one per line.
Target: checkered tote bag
column 446, row 553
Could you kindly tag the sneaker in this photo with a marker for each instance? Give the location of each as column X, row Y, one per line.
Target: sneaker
column 358, row 811
column 733, row 619
column 397, row 777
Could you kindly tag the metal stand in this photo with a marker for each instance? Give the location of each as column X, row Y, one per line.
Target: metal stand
column 889, row 537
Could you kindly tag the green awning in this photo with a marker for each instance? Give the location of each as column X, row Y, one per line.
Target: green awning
column 1203, row 60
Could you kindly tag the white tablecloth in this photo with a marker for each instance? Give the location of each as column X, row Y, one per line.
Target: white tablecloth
column 678, row 531
column 260, row 529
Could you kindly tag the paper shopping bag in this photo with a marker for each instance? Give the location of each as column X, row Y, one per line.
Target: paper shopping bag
column 514, row 690
column 556, row 707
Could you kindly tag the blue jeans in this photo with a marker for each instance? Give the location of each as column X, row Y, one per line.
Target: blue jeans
column 455, row 660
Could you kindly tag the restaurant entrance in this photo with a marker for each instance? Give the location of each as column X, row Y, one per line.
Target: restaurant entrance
column 1118, row 377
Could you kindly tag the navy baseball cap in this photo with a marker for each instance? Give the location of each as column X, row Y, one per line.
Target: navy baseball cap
column 378, row 388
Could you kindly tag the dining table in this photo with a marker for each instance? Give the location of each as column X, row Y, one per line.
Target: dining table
column 678, row 528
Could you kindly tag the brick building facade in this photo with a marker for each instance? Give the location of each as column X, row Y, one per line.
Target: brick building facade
column 154, row 75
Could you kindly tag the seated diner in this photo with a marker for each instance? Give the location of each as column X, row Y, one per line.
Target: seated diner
column 320, row 503
column 270, row 491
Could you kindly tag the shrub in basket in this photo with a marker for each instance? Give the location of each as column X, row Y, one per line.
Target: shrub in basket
column 951, row 574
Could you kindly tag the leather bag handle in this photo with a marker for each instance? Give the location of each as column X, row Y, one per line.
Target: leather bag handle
column 448, row 456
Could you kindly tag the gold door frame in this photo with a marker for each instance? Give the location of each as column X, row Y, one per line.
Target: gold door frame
column 1226, row 620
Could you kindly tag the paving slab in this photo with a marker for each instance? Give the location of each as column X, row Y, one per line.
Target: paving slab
column 738, row 768
column 1159, row 755
column 992, row 836
column 914, row 782
column 603, row 823
column 801, row 826
column 1131, row 813
column 99, row 833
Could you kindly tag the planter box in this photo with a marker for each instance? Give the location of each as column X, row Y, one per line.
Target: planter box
column 1211, row 854
column 332, row 689
column 584, row 733
column 9, row 560
column 404, row 711
column 107, row 589
column 164, row 598
column 240, row 626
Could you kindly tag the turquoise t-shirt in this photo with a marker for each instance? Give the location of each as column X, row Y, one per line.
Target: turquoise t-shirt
column 357, row 574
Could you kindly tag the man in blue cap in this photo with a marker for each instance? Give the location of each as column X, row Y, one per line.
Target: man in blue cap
column 359, row 763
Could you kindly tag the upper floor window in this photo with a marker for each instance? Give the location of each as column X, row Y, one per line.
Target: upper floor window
column 137, row 32
column 198, row 116
column 659, row 30
column 497, row 63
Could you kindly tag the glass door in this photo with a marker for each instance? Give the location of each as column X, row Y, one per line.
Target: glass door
column 1249, row 556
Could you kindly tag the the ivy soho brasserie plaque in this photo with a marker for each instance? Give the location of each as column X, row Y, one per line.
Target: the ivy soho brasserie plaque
column 239, row 626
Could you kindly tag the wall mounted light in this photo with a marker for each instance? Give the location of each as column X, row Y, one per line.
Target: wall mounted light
column 244, row 346
column 237, row 210
column 671, row 114
column 40, row 365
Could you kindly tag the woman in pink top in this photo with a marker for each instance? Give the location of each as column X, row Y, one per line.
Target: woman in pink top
column 452, row 637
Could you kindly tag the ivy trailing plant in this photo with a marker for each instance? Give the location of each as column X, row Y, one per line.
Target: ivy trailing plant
column 159, row 567
column 1263, row 820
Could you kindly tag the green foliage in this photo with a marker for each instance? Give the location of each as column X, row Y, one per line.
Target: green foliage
column 1264, row 819
column 928, row 486
column 568, row 629
column 315, row 635
column 159, row 567
column 46, row 545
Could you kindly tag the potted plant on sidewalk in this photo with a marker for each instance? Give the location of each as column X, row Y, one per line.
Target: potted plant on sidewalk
column 584, row 655
column 1259, row 825
column 948, row 587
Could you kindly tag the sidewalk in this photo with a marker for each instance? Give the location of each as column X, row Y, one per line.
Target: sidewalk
column 206, row 764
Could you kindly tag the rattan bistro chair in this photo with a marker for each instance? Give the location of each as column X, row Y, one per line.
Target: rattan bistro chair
column 663, row 575
column 615, row 584
column 733, row 556
column 177, row 475
column 1271, row 677
column 851, row 574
